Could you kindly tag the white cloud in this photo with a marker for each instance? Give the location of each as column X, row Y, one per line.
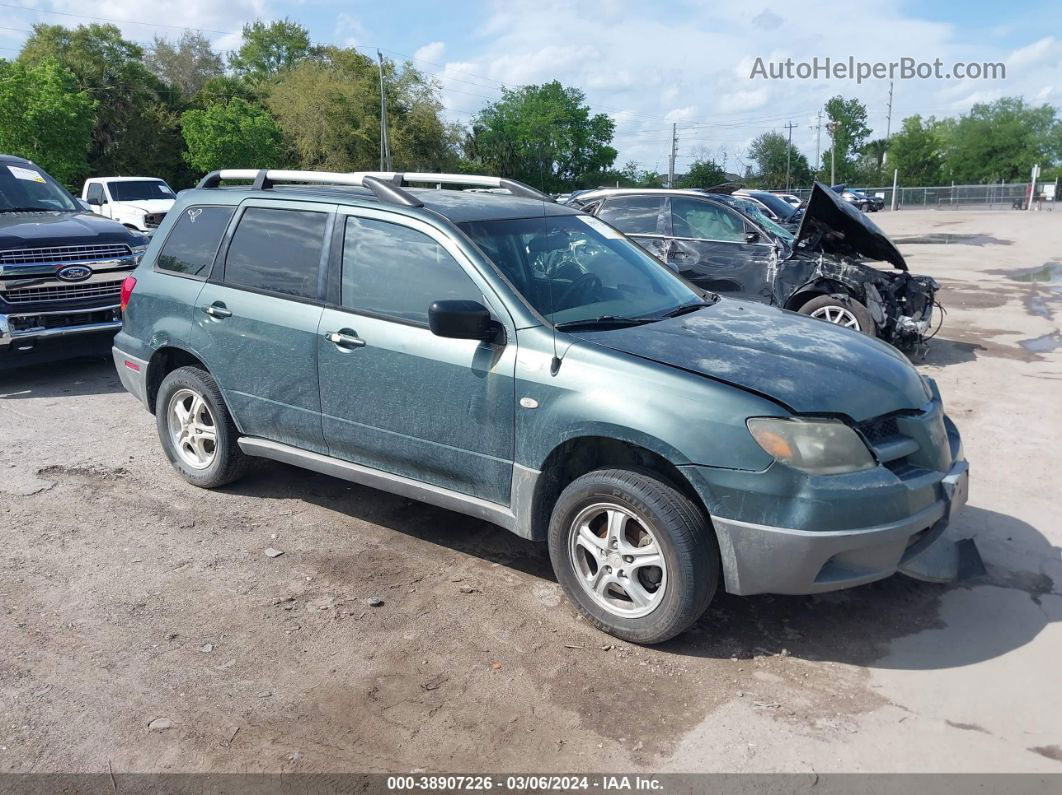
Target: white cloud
column 1046, row 49
column 432, row 53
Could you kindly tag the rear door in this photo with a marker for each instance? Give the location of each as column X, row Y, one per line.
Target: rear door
column 256, row 320
column 717, row 249
column 396, row 397
column 640, row 218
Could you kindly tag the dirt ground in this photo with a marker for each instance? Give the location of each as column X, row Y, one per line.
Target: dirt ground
column 129, row 597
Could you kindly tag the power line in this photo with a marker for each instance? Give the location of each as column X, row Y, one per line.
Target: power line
column 115, row 21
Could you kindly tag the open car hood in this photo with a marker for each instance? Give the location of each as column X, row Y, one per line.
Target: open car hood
column 833, row 226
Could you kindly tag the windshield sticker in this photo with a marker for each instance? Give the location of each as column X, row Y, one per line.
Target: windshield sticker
column 24, row 173
column 600, row 227
column 164, row 189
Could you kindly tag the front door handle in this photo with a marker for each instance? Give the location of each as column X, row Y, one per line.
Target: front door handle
column 345, row 339
column 218, row 310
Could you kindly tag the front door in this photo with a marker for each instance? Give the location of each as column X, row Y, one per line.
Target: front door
column 639, row 218
column 256, row 322
column 717, row 249
column 394, row 396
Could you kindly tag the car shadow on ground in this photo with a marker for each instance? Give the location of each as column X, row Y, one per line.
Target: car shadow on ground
column 855, row 626
column 943, row 352
column 88, row 375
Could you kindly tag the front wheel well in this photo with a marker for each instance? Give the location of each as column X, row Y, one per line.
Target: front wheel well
column 813, row 291
column 163, row 362
column 576, row 457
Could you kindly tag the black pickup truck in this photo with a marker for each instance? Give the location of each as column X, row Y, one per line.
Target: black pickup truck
column 61, row 268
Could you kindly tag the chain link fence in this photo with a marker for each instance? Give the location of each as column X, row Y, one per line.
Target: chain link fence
column 992, row 196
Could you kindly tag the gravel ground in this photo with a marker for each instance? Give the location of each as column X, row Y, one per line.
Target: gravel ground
column 145, row 628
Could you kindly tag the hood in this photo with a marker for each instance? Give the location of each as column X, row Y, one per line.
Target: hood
column 149, row 205
column 39, row 230
column 809, row 365
column 833, row 226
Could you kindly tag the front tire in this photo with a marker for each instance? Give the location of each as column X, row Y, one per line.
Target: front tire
column 635, row 555
column 197, row 432
column 841, row 310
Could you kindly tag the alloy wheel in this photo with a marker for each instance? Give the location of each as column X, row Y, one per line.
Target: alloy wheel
column 617, row 559
column 192, row 429
column 837, row 315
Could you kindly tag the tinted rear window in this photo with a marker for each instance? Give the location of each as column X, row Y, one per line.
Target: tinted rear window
column 633, row 215
column 194, row 240
column 277, row 250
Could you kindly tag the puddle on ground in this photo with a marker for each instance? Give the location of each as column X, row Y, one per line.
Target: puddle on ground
column 1045, row 344
column 947, row 238
column 1046, row 282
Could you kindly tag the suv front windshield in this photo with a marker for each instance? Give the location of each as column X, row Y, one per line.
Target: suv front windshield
column 139, row 190
column 574, row 269
column 25, row 188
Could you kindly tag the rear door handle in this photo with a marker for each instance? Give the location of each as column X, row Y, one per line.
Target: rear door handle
column 218, row 310
column 345, row 339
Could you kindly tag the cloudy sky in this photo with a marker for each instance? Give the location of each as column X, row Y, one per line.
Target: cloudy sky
column 646, row 64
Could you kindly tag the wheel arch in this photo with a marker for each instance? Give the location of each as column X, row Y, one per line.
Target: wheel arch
column 163, row 362
column 578, row 455
column 820, row 286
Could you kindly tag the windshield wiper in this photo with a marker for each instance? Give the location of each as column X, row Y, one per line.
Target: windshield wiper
column 604, row 320
column 29, row 210
column 685, row 309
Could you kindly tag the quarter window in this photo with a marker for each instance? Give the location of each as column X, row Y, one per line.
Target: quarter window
column 396, row 271
column 194, row 240
column 705, row 221
column 277, row 250
column 634, row 215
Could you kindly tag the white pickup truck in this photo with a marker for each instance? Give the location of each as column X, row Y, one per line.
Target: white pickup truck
column 137, row 202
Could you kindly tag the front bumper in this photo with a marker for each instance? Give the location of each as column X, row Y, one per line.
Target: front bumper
column 20, row 331
column 764, row 559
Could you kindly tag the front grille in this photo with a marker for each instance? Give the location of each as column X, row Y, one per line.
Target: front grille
column 879, row 429
column 25, row 256
column 63, row 292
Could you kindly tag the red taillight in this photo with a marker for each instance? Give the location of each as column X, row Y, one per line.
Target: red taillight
column 127, row 291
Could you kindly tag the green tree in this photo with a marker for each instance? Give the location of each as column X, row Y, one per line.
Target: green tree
column 702, row 174
column 543, row 135
column 268, row 49
column 129, row 98
column 850, row 132
column 769, row 152
column 44, row 117
column 328, row 108
column 917, row 151
column 186, row 65
column 1003, row 140
column 235, row 134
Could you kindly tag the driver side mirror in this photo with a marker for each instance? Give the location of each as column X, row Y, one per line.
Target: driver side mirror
column 95, row 200
column 462, row 320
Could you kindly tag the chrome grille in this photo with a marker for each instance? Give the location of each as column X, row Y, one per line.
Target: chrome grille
column 63, row 292
column 23, row 256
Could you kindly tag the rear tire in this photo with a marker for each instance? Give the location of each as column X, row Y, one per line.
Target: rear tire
column 841, row 310
column 636, row 556
column 197, row 432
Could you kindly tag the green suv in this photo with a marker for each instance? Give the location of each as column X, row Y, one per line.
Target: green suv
column 522, row 362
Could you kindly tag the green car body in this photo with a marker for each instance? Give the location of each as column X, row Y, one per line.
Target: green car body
column 497, row 428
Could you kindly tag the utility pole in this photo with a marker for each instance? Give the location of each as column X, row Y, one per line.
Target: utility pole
column 831, row 128
column 888, row 128
column 818, row 138
column 788, row 151
column 671, row 159
column 385, row 145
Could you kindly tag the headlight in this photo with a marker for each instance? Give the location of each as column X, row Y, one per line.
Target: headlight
column 818, row 447
column 138, row 252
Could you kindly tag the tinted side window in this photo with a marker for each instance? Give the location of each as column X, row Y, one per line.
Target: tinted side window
column 194, row 240
column 393, row 270
column 706, row 221
column 634, row 215
column 277, row 250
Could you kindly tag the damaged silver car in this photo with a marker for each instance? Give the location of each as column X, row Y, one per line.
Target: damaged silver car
column 825, row 269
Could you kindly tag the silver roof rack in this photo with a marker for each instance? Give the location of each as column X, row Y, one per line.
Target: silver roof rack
column 387, row 185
